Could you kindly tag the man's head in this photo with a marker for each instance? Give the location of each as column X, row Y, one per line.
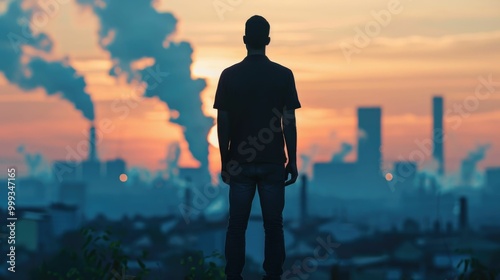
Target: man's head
column 256, row 33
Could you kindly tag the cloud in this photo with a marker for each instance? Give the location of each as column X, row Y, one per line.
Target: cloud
column 418, row 48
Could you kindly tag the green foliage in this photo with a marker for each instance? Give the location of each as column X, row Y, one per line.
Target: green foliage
column 100, row 257
column 200, row 267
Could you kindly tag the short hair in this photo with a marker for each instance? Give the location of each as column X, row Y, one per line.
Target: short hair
column 256, row 32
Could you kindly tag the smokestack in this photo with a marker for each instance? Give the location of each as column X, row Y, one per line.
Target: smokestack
column 463, row 215
column 438, row 132
column 303, row 199
column 92, row 144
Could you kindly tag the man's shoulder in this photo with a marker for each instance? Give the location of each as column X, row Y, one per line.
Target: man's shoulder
column 272, row 64
column 231, row 69
column 280, row 67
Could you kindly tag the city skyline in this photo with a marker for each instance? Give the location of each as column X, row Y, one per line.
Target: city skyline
column 331, row 87
column 106, row 108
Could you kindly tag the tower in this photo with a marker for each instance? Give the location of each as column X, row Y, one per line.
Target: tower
column 438, row 132
column 369, row 138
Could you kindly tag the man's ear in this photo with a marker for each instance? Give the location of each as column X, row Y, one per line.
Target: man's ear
column 268, row 40
column 244, row 39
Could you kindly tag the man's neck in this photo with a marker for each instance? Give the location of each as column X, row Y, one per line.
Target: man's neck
column 256, row 52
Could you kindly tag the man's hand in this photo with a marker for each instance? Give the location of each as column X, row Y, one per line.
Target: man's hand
column 291, row 168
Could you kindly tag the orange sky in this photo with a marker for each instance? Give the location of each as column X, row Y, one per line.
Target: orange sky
column 425, row 48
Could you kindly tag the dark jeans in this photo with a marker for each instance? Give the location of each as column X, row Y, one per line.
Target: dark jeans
column 269, row 178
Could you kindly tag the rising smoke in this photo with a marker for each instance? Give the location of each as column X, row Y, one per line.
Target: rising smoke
column 133, row 30
column 468, row 168
column 32, row 71
column 35, row 162
column 345, row 150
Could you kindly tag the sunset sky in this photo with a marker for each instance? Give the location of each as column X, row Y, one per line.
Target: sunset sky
column 422, row 49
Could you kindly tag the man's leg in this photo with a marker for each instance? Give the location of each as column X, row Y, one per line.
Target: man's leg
column 241, row 193
column 272, row 201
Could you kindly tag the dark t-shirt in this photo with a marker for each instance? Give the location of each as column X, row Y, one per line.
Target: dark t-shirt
column 255, row 92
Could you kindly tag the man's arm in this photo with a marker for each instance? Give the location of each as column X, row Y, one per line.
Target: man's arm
column 223, row 136
column 290, row 133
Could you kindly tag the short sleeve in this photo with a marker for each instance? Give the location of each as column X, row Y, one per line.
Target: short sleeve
column 221, row 95
column 291, row 97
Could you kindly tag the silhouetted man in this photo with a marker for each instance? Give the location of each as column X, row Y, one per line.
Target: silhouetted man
column 256, row 101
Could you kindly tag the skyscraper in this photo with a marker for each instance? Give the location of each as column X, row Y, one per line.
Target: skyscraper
column 369, row 138
column 438, row 132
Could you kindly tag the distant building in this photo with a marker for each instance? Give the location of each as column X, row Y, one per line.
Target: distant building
column 493, row 179
column 99, row 176
column 92, row 170
column 370, row 139
column 405, row 175
column 31, row 192
column 491, row 195
column 438, row 132
column 361, row 179
column 113, row 170
column 34, row 230
column 74, row 194
column 336, row 177
column 67, row 170
column 28, row 234
column 64, row 218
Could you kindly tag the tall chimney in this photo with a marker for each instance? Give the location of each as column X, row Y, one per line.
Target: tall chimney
column 92, row 144
column 303, row 199
column 438, row 132
column 463, row 220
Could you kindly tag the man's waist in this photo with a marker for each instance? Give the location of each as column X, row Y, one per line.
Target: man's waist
column 276, row 157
